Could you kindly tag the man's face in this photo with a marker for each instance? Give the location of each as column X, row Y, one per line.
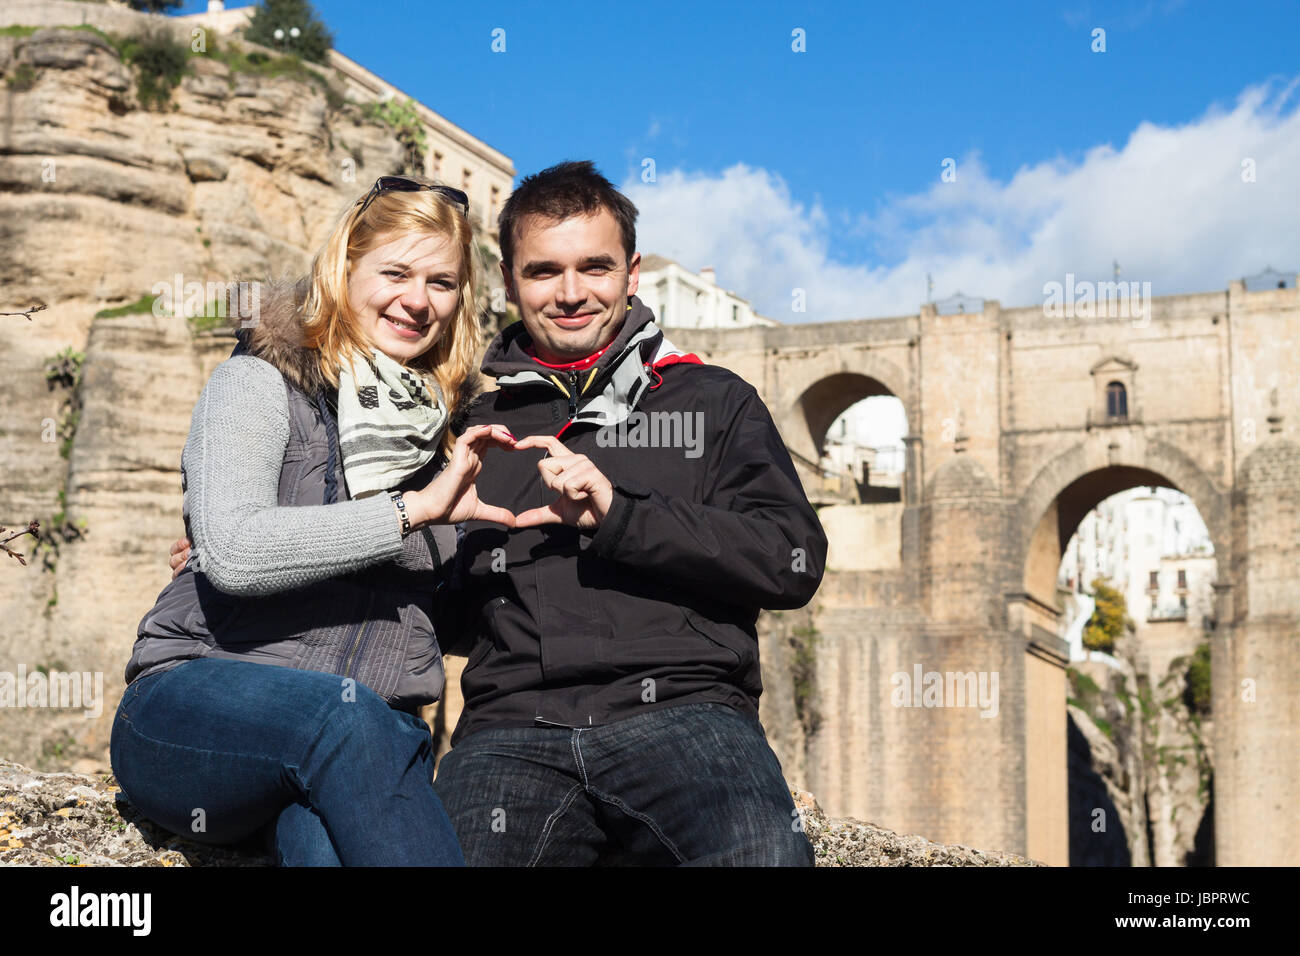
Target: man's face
column 571, row 281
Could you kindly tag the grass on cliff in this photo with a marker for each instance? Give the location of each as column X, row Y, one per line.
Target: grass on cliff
column 257, row 63
column 23, row 77
column 139, row 306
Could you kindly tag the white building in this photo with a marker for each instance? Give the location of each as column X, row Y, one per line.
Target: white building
column 1152, row 545
column 683, row 299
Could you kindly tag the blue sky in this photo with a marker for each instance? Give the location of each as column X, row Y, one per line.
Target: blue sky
column 821, row 169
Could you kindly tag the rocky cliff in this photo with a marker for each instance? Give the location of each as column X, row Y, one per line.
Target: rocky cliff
column 1141, row 770
column 68, row 819
column 104, row 203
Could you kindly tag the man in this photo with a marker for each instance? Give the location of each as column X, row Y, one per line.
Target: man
column 611, row 692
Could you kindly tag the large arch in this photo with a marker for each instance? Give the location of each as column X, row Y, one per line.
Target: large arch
column 1075, row 481
column 1047, row 514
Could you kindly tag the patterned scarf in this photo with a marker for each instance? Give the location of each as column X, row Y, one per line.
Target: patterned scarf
column 390, row 422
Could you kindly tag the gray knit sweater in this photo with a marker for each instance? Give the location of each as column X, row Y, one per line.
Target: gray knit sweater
column 245, row 543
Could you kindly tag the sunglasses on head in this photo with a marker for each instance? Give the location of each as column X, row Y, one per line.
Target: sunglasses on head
column 388, row 184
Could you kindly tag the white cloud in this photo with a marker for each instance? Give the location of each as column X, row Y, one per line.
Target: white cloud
column 1170, row 206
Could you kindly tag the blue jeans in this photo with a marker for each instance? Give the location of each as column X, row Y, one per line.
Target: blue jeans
column 216, row 750
column 691, row 783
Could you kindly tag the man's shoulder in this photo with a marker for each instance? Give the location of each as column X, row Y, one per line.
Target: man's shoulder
column 720, row 385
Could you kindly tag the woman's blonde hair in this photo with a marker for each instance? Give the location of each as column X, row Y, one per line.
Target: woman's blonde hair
column 331, row 327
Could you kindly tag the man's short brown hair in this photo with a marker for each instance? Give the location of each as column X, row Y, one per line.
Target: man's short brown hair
column 562, row 191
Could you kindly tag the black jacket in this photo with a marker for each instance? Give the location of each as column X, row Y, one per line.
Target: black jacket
column 658, row 605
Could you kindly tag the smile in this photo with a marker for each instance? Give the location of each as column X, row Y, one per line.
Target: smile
column 406, row 328
column 572, row 321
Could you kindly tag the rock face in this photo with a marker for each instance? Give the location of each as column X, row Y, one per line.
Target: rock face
column 63, row 819
column 103, row 202
column 1141, row 776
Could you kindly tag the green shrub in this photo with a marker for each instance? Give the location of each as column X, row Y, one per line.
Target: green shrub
column 1109, row 618
column 23, row 78
column 1197, row 693
column 405, row 122
column 64, row 371
column 160, row 61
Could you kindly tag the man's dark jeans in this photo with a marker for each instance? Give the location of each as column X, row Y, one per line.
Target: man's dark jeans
column 691, row 783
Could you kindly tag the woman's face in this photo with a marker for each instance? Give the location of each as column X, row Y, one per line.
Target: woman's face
column 405, row 292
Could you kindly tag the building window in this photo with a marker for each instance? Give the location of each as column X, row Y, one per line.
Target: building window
column 495, row 208
column 735, row 315
column 1182, row 580
column 1116, row 401
column 437, row 165
column 1154, row 583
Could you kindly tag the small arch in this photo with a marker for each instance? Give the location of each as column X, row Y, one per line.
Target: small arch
column 825, row 400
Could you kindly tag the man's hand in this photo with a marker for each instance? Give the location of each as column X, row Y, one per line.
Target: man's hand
column 585, row 494
column 179, row 555
column 451, row 497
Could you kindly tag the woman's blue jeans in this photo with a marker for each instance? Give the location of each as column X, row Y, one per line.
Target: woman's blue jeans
column 215, row 750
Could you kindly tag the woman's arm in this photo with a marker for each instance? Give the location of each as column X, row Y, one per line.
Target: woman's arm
column 247, row 544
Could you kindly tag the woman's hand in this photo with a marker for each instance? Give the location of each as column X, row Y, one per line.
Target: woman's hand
column 451, row 496
column 179, row 555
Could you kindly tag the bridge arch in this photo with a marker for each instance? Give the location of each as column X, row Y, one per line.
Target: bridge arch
column 818, row 396
column 1075, row 481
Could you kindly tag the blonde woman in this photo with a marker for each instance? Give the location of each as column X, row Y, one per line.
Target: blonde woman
column 276, row 684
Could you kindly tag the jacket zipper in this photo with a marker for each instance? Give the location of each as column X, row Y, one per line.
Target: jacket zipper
column 573, row 402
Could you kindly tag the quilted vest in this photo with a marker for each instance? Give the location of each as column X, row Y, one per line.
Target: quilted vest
column 374, row 625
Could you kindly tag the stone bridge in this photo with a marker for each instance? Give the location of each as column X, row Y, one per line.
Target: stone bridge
column 1019, row 422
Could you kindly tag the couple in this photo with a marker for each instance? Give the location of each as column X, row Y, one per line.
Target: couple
column 606, row 595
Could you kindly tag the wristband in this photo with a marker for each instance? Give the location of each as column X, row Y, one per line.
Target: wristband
column 401, row 512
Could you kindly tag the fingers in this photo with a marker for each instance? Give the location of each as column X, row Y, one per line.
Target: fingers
column 574, row 481
column 552, row 444
column 179, row 555
column 484, row 434
column 538, row 516
column 486, row 512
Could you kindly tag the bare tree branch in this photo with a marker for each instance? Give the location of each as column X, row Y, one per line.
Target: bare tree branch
column 33, row 528
column 28, row 313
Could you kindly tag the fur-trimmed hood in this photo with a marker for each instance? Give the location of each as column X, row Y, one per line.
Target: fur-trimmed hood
column 273, row 333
